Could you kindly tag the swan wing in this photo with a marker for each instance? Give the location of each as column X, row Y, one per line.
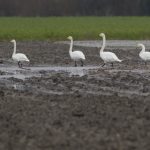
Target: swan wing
column 20, row 57
column 109, row 57
column 145, row 56
column 115, row 57
column 78, row 55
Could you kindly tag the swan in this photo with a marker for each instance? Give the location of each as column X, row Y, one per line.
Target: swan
column 107, row 57
column 76, row 55
column 18, row 57
column 143, row 54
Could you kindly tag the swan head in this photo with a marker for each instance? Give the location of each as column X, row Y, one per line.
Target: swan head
column 69, row 38
column 140, row 45
column 13, row 41
column 102, row 34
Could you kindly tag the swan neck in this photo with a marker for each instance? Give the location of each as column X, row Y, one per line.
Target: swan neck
column 71, row 46
column 104, row 43
column 143, row 49
column 14, row 52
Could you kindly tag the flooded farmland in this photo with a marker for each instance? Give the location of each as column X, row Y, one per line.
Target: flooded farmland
column 53, row 105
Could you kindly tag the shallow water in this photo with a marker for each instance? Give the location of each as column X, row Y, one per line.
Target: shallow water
column 110, row 43
column 40, row 107
column 18, row 73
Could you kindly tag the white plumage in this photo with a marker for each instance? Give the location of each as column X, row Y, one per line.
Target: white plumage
column 18, row 57
column 143, row 54
column 76, row 55
column 107, row 57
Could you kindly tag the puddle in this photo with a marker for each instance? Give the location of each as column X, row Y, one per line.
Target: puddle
column 100, row 81
column 14, row 72
column 109, row 43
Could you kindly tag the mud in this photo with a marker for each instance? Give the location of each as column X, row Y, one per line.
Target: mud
column 57, row 106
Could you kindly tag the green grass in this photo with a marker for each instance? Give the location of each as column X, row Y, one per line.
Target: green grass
column 81, row 28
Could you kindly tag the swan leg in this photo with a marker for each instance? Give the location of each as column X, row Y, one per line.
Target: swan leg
column 82, row 63
column 28, row 64
column 19, row 64
column 75, row 64
column 103, row 64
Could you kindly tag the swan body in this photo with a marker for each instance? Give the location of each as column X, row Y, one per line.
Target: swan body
column 18, row 57
column 76, row 55
column 143, row 54
column 107, row 57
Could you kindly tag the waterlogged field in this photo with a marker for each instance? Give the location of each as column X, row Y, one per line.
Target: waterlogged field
column 57, row 106
column 58, row 28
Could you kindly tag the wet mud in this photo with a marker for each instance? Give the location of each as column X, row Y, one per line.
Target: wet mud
column 55, row 105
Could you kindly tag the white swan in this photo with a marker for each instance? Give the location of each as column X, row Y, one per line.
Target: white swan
column 107, row 57
column 76, row 55
column 143, row 54
column 19, row 57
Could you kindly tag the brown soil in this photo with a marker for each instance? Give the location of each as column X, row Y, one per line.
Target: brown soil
column 104, row 109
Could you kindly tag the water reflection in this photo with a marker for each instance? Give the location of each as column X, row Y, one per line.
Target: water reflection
column 13, row 72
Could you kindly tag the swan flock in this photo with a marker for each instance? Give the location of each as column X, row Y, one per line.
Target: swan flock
column 78, row 56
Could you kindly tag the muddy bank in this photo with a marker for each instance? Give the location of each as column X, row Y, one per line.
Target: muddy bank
column 57, row 106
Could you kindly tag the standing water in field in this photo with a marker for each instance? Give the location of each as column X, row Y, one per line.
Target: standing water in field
column 8, row 72
column 40, row 107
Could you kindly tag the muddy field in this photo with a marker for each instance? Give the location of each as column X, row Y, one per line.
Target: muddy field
column 57, row 106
